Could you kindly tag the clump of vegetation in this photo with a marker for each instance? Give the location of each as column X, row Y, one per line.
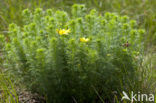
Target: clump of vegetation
column 84, row 57
column 143, row 11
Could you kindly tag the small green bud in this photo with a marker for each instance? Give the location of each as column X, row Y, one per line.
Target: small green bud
column 133, row 23
column 124, row 50
column 32, row 26
column 8, row 46
column 12, row 26
column 82, row 7
column 40, row 51
column 26, row 28
column 26, row 12
column 15, row 31
column 136, row 53
column 41, row 32
column 125, row 26
column 124, row 19
column 25, row 34
column 79, row 20
column 103, row 22
column 116, row 18
column 54, row 39
column 123, row 40
column 93, row 12
column 88, row 17
column 50, row 27
column 107, row 16
column 38, row 11
column 38, row 38
column 141, row 31
column 72, row 22
column 72, row 41
column 15, row 40
column 52, row 20
column 64, row 15
column 133, row 32
column 47, row 18
column 1, row 36
column 75, row 6
column 34, row 44
column 98, row 40
column 49, row 12
column 112, row 22
column 26, row 41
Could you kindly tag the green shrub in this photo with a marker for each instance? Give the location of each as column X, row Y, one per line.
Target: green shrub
column 83, row 57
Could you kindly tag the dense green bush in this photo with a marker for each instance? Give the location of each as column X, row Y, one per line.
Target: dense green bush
column 83, row 57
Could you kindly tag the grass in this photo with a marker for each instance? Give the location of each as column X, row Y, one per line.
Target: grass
column 7, row 91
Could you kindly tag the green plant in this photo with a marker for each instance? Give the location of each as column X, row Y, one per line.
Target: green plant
column 141, row 10
column 83, row 57
column 7, row 91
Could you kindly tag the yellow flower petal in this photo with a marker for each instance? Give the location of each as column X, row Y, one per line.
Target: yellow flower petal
column 84, row 40
column 63, row 31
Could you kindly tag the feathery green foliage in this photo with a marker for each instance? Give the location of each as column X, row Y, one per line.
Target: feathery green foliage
column 83, row 57
column 141, row 10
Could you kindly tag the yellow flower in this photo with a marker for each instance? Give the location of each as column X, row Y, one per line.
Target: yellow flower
column 84, row 40
column 63, row 31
